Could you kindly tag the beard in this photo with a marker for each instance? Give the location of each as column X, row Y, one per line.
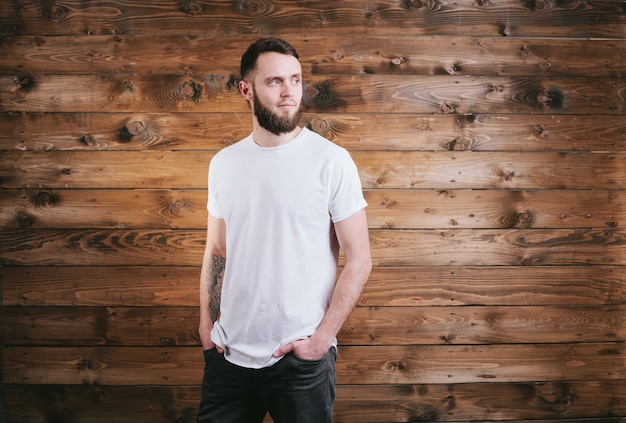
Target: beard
column 272, row 122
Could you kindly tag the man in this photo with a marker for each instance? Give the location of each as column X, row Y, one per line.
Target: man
column 282, row 202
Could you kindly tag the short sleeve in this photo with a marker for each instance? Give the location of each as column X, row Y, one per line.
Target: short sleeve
column 212, row 203
column 346, row 192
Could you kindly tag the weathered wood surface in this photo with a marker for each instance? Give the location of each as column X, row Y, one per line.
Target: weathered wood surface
column 575, row 19
column 382, row 169
column 151, row 286
column 347, row 94
column 320, row 55
column 388, row 208
column 490, row 137
column 393, row 132
column 356, row 365
column 442, row 247
column 461, row 325
column 579, row 401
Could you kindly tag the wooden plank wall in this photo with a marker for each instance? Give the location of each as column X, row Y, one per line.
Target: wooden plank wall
column 490, row 136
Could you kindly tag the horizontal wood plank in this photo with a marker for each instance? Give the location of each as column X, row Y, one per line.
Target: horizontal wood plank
column 435, row 94
column 131, row 209
column 150, row 286
column 462, row 325
column 369, row 131
column 418, row 209
column 358, row 365
column 319, row 55
column 580, row 401
column 593, row 18
column 392, row 209
column 445, row 247
column 490, row 140
column 497, row 247
column 405, row 169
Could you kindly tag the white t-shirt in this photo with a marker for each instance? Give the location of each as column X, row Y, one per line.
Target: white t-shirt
column 278, row 204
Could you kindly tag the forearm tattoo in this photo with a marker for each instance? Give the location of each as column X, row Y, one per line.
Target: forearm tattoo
column 216, row 276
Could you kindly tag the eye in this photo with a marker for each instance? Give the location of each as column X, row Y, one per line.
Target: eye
column 275, row 82
column 296, row 81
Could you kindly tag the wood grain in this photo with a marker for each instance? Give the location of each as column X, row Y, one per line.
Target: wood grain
column 388, row 208
column 490, row 140
column 174, row 93
column 368, row 131
column 356, row 365
column 151, row 286
column 461, row 325
column 537, row 402
column 589, row 19
column 388, row 170
column 320, row 55
column 409, row 248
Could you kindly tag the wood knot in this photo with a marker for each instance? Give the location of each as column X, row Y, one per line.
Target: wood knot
column 535, row 5
column 192, row 8
column 135, row 127
column 504, row 30
column 553, row 98
column 43, row 199
column 55, row 13
column 545, row 64
column 447, row 338
column 321, row 126
column 508, row 176
column 524, row 52
column 529, row 262
column 251, row 7
column 451, row 69
column 396, row 365
column 447, row 108
column 84, row 364
column 372, row 15
column 192, row 90
column 23, row 219
column 456, row 144
column 337, row 55
column 89, row 140
column 387, row 202
column 525, row 219
column 320, row 96
column 464, row 120
column 413, row 4
column 25, row 83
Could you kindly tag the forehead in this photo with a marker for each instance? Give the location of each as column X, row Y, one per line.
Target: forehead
column 272, row 64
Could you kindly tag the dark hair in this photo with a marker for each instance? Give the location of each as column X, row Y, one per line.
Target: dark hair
column 263, row 45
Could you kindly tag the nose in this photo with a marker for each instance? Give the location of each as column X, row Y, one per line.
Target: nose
column 287, row 90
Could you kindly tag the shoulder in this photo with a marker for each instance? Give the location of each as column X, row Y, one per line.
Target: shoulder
column 322, row 144
column 233, row 150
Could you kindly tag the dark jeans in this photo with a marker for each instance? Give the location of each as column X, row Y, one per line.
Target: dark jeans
column 292, row 390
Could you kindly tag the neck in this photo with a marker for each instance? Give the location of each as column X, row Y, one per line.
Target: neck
column 264, row 138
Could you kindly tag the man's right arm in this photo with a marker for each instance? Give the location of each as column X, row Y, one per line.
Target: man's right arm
column 211, row 278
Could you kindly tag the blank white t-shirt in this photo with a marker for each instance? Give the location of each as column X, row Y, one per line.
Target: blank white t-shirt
column 279, row 204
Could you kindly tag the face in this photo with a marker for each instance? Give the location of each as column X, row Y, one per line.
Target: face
column 275, row 92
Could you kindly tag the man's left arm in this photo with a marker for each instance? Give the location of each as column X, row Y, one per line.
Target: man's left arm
column 353, row 239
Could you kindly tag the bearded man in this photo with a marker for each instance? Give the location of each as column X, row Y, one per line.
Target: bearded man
column 282, row 203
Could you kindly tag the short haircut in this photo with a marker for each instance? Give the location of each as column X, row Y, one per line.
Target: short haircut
column 263, row 45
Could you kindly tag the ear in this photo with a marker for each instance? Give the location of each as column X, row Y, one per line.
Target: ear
column 246, row 90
